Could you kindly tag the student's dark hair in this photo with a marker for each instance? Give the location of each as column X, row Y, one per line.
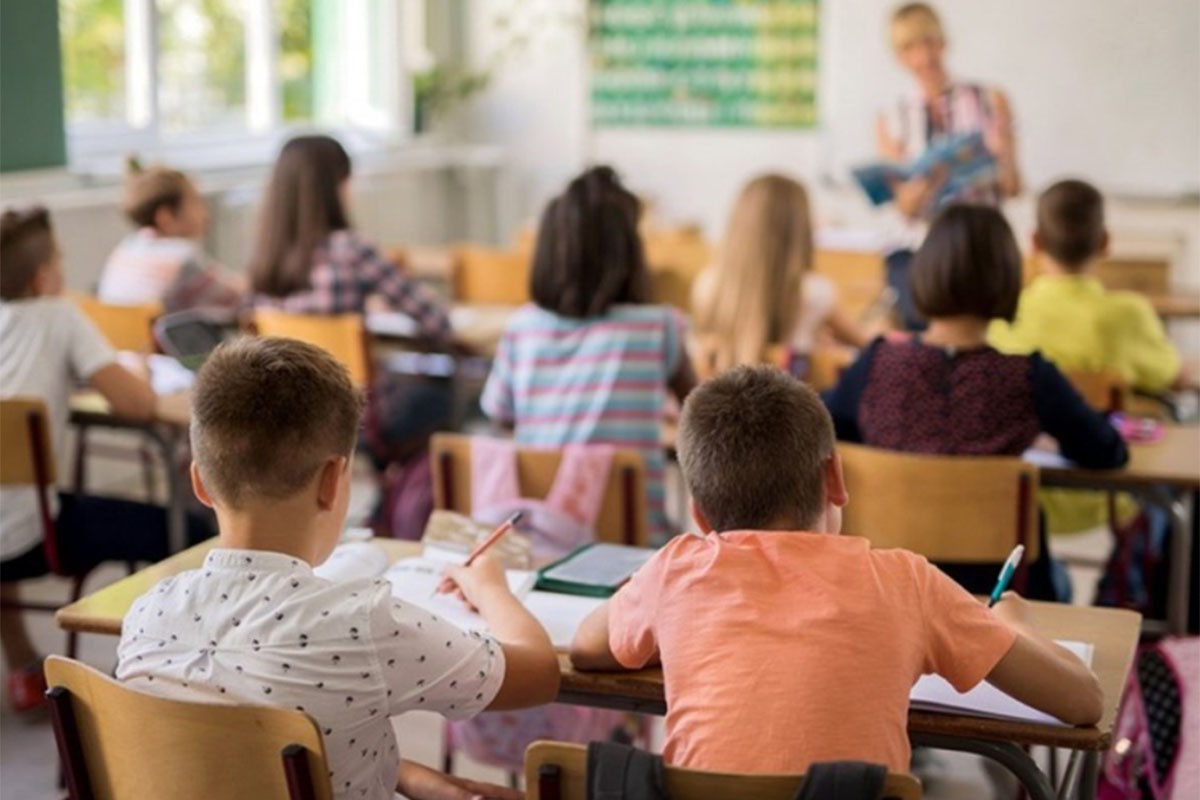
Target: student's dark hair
column 1070, row 222
column 26, row 243
column 266, row 415
column 753, row 445
column 301, row 208
column 589, row 255
column 149, row 189
column 969, row 265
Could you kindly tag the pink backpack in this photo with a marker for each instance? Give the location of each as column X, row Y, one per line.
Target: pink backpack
column 1156, row 742
column 561, row 522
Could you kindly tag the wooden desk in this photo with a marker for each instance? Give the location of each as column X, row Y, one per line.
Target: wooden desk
column 1177, row 305
column 1113, row 632
column 1166, row 473
column 478, row 327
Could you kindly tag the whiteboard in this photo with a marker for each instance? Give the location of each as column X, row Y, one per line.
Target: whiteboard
column 1108, row 90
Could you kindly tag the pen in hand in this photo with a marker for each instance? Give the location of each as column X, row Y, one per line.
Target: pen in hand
column 1006, row 574
column 446, row 585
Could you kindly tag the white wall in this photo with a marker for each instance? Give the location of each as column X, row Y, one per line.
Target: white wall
column 1108, row 89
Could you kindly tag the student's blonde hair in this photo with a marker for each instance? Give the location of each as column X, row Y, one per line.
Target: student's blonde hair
column 755, row 301
column 915, row 21
column 147, row 189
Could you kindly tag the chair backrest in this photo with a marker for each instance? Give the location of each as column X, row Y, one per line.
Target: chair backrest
column 484, row 276
column 682, row 784
column 342, row 335
column 858, row 275
column 825, row 363
column 622, row 517
column 950, row 509
column 125, row 327
column 674, row 257
column 124, row 743
column 1103, row 390
column 26, row 454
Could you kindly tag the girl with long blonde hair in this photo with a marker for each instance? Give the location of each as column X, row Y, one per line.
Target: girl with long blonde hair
column 762, row 290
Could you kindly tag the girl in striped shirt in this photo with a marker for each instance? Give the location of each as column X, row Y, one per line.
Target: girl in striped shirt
column 590, row 361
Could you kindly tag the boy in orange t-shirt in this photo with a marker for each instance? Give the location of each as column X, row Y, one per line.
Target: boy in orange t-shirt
column 782, row 643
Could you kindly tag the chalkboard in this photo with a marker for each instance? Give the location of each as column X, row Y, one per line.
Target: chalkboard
column 704, row 63
column 31, row 96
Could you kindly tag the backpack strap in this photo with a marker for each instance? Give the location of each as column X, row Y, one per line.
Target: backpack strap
column 845, row 780
column 620, row 772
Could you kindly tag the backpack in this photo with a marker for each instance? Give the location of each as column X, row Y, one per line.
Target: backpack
column 1156, row 754
column 1135, row 575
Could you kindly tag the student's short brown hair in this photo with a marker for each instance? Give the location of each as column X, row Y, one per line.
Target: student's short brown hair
column 969, row 265
column 147, row 189
column 266, row 415
column 589, row 254
column 1070, row 222
column 753, row 445
column 26, row 243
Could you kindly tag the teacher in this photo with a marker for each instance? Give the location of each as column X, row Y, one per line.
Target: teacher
column 935, row 107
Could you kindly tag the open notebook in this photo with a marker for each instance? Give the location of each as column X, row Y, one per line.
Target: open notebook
column 933, row 693
column 414, row 581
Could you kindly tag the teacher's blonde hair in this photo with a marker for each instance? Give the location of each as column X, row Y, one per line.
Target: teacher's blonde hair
column 754, row 300
column 914, row 22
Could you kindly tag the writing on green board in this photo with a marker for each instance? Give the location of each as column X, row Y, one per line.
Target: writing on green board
column 704, row 63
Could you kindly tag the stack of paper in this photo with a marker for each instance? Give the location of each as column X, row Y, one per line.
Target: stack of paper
column 933, row 693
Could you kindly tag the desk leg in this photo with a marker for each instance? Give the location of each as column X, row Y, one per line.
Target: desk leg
column 1007, row 754
column 1178, row 591
column 176, row 523
column 1090, row 775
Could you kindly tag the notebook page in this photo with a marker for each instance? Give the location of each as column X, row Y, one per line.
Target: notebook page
column 415, row 581
column 560, row 614
column 601, row 565
column 351, row 560
column 933, row 693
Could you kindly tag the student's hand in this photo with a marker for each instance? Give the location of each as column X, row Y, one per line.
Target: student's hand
column 474, row 584
column 1014, row 609
column 419, row 782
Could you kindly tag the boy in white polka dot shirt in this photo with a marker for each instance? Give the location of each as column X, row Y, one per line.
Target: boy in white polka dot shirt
column 273, row 431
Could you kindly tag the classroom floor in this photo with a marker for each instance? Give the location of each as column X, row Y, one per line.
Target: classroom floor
column 28, row 762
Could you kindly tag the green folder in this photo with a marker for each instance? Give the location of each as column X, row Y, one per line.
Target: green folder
column 594, row 570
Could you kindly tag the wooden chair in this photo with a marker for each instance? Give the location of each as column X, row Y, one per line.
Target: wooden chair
column 558, row 771
column 859, row 276
column 950, row 509
column 623, row 512
column 116, row 743
column 1103, row 390
column 27, row 460
column 126, row 327
column 484, row 276
column 342, row 335
column 821, row 369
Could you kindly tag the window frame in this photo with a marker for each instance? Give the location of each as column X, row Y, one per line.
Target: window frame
column 101, row 145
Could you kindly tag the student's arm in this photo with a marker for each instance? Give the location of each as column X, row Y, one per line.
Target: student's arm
column 131, row 397
column 1084, row 436
column 1042, row 674
column 531, row 674
column 419, row 782
column 590, row 649
column 846, row 330
column 380, row 276
column 1151, row 359
column 843, row 400
column 497, row 400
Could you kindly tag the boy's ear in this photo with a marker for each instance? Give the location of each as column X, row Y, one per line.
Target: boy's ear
column 1036, row 241
column 163, row 218
column 835, row 482
column 329, row 483
column 198, row 487
column 699, row 518
column 1102, row 251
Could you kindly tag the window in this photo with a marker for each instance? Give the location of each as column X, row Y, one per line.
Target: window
column 210, row 80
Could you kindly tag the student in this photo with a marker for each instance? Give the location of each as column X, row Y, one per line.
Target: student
column 774, row 630
column 162, row 260
column 309, row 259
column 589, row 362
column 762, row 290
column 273, row 433
column 1069, row 316
column 947, row 392
column 48, row 348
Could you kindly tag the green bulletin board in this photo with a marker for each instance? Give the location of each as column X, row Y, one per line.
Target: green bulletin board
column 704, row 63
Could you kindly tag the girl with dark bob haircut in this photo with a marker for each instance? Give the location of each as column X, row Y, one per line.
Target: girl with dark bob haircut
column 590, row 360
column 946, row 392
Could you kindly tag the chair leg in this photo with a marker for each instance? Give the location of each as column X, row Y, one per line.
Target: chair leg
column 148, row 478
column 77, row 583
column 70, row 748
column 81, row 459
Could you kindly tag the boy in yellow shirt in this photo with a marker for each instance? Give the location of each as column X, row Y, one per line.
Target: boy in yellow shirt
column 1068, row 315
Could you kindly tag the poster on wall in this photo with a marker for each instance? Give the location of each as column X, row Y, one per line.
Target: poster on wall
column 703, row 63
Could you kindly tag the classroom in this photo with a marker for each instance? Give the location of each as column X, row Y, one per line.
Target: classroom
column 565, row 399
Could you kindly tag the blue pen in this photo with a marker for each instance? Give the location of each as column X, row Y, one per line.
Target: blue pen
column 1006, row 573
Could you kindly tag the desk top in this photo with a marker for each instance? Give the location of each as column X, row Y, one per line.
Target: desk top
column 1176, row 304
column 1113, row 632
column 1172, row 461
column 171, row 409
